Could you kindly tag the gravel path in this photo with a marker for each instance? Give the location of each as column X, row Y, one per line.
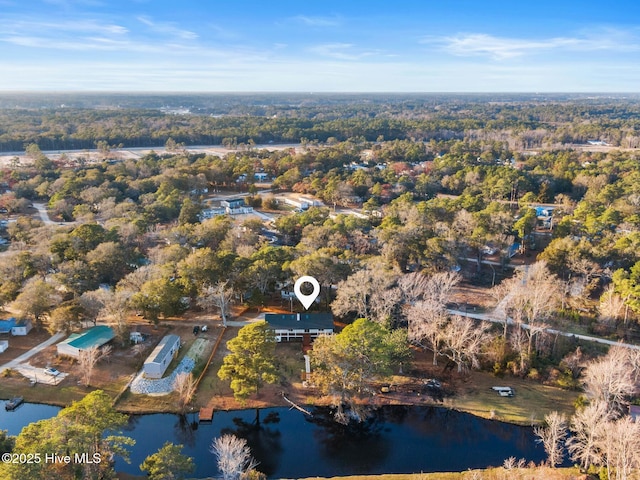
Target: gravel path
column 162, row 386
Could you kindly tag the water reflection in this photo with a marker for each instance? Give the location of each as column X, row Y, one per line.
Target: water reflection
column 185, row 430
column 263, row 440
column 345, row 445
column 288, row 444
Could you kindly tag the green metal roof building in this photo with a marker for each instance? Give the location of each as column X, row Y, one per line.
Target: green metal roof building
column 94, row 337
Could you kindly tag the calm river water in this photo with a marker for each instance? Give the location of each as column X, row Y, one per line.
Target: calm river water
column 290, row 444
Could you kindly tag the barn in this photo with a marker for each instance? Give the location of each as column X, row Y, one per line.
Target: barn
column 298, row 325
column 156, row 364
column 94, row 337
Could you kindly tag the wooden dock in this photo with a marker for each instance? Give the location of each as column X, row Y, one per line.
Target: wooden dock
column 206, row 414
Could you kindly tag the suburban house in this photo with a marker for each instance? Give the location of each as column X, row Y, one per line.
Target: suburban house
column 21, row 328
column 156, row 364
column 77, row 342
column 236, row 206
column 208, row 213
column 300, row 325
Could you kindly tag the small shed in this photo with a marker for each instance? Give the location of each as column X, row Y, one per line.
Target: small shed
column 156, row 364
column 4, row 344
column 77, row 342
column 21, row 328
column 300, row 325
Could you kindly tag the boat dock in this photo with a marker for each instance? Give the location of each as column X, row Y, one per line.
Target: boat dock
column 206, row 414
column 13, row 403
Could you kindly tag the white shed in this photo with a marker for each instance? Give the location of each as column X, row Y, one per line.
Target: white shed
column 21, row 328
column 4, row 344
column 156, row 364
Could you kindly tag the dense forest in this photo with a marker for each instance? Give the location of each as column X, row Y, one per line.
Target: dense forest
column 78, row 122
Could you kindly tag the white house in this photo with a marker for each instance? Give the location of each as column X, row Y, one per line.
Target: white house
column 21, row 328
column 4, row 344
column 156, row 364
column 236, row 206
column 297, row 325
column 302, row 202
column 208, row 213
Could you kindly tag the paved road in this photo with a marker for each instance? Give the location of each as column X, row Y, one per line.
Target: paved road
column 489, row 318
column 44, row 216
column 27, row 355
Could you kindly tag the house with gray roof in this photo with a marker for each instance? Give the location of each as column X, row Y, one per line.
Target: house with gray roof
column 156, row 364
column 298, row 325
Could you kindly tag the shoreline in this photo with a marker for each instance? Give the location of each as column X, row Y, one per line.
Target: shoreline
column 277, row 405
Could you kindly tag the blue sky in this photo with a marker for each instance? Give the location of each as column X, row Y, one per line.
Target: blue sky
column 315, row 46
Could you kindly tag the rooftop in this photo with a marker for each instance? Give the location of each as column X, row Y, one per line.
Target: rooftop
column 161, row 350
column 7, row 325
column 94, row 337
column 322, row 320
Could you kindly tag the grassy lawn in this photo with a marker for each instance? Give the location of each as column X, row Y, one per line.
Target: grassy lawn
column 210, row 385
column 489, row 474
column 218, row 392
column 529, row 405
column 63, row 394
column 131, row 403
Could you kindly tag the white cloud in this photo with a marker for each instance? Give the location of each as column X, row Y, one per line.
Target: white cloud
column 65, row 27
column 501, row 48
column 341, row 51
column 168, row 28
column 318, row 21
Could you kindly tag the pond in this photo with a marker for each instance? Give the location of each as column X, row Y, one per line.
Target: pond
column 290, row 444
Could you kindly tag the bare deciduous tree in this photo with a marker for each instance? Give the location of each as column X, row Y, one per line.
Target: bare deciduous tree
column 611, row 307
column 599, row 440
column 587, row 426
column 89, row 358
column 426, row 321
column 217, row 296
column 462, row 341
column 185, row 386
column 552, row 436
column 233, row 455
column 621, row 446
column 609, row 379
column 426, row 306
column 110, row 307
column 530, row 298
column 370, row 293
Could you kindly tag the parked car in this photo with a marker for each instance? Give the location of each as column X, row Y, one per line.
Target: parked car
column 432, row 383
column 51, row 371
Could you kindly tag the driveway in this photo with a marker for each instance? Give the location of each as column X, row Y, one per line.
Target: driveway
column 27, row 355
column 36, row 374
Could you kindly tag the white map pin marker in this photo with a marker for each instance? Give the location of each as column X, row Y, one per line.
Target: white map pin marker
column 307, row 300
